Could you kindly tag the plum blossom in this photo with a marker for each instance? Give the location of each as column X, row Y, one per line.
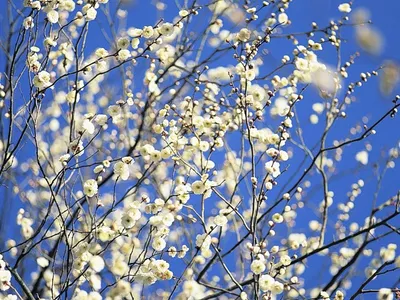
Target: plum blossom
column 273, row 168
column 90, row 187
column 344, row 7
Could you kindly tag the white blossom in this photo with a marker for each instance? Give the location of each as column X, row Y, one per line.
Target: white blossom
column 344, row 7
column 90, row 187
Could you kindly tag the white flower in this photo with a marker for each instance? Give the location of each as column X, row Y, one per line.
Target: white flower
column 193, row 290
column 134, row 32
column 301, row 64
column 72, row 95
column 114, row 110
column 88, row 126
column 266, row 282
column 273, row 168
column 146, row 278
column 250, row 74
column 80, row 295
column 385, row 294
column 168, row 219
column 220, row 220
column 35, row 5
column 101, row 52
column 135, row 43
column 64, row 158
column 324, row 295
column 49, row 42
column 105, row 234
column 314, row 225
column 277, row 288
column 94, row 280
column 167, row 29
column 244, row 35
column 315, row 46
column 124, row 54
column 100, row 119
column 42, row 262
column 272, row 152
column 362, row 157
column 68, row 5
column 97, row 263
column 123, row 43
column 204, row 146
column 90, row 187
column 28, row 23
column 297, row 239
column 277, row 218
column 285, row 260
column 127, row 221
column 91, row 12
column 389, row 253
column 283, row 155
column 76, row 147
column 257, row 266
column 339, row 295
column 52, row 16
column 147, row 32
column 172, row 251
column 155, row 155
column 344, row 7
column 283, row 18
column 146, row 149
column 42, row 79
column 128, row 160
column 5, row 278
column 122, row 170
column 198, row 187
column 183, row 13
column 203, row 241
column 120, row 267
column 160, row 265
column 158, row 244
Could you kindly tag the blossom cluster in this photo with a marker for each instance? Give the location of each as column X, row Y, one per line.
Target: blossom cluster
column 171, row 161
